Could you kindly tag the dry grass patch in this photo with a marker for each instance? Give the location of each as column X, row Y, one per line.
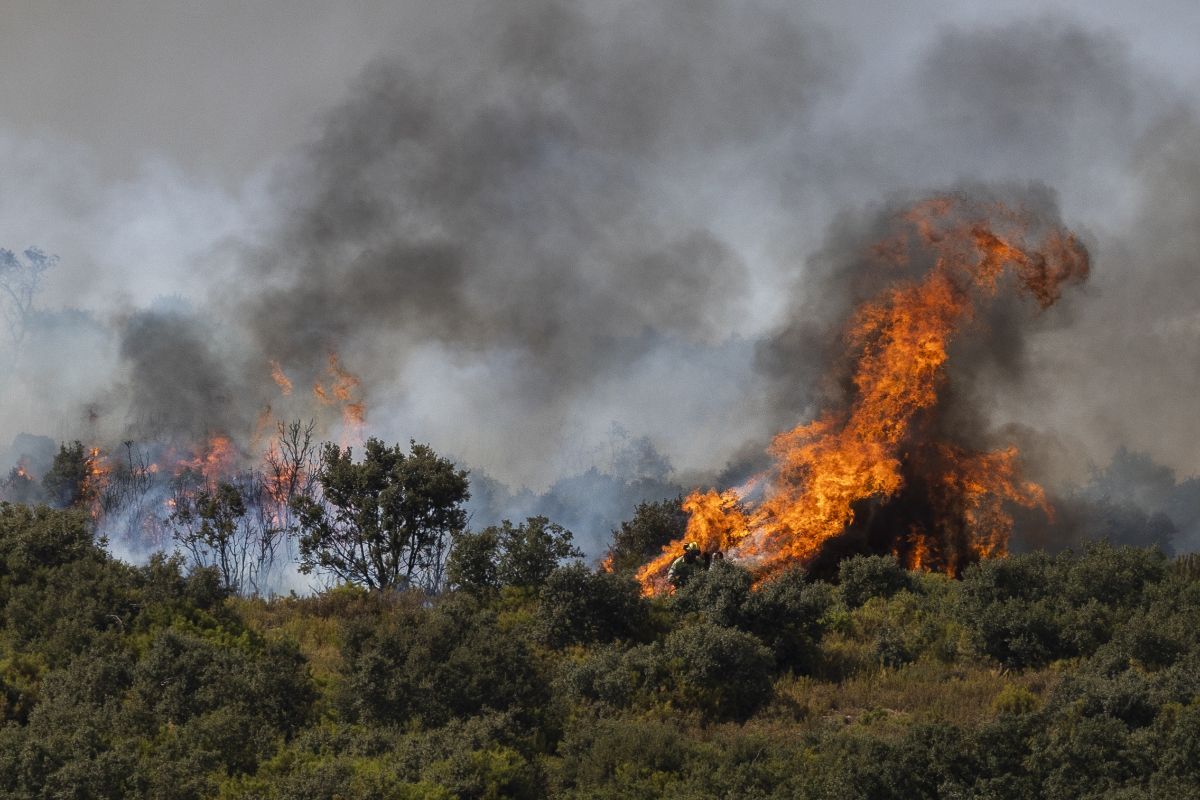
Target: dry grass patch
column 927, row 691
column 316, row 624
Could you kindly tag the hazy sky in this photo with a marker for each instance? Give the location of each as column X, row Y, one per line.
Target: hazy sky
column 524, row 223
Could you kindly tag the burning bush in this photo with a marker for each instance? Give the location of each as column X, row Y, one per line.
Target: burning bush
column 880, row 468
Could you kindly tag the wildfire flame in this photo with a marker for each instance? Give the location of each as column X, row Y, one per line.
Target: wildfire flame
column 869, row 450
column 215, row 461
column 342, row 389
column 281, row 379
column 262, row 462
column 99, row 471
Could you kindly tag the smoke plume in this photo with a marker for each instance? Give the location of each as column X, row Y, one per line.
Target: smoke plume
column 517, row 224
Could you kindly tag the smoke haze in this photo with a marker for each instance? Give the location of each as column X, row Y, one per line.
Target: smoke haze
column 549, row 237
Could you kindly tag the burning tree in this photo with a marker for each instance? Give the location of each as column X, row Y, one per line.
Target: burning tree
column 71, row 479
column 880, row 462
column 290, row 471
column 242, row 521
column 20, row 487
column 386, row 521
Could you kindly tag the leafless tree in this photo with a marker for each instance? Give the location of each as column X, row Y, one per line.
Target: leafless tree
column 291, row 468
column 131, row 498
column 19, row 282
column 244, row 524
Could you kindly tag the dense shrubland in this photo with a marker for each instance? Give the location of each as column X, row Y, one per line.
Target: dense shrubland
column 1060, row 676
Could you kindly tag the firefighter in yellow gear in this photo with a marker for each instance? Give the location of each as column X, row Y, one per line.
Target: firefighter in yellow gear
column 683, row 568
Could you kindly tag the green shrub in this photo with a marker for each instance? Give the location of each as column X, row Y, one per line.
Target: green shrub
column 577, row 605
column 724, row 672
column 891, row 650
column 863, row 577
column 484, row 774
column 452, row 661
column 1015, row 700
column 717, row 594
column 624, row 750
column 616, row 676
column 1027, row 610
column 653, row 526
column 473, row 563
column 1113, row 576
column 789, row 615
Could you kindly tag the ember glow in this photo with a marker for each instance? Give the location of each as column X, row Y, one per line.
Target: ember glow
column 216, row 460
column 878, row 459
column 138, row 492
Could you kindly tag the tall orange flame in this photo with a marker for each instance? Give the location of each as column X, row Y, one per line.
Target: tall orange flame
column 99, row 471
column 899, row 343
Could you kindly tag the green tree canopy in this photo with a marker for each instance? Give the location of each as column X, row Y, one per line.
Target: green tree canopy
column 208, row 529
column 66, row 484
column 532, row 550
column 384, row 521
column 521, row 555
column 643, row 536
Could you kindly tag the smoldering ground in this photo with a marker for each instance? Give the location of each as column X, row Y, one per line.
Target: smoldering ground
column 541, row 218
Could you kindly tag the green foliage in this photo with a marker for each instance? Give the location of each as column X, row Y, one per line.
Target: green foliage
column 1015, row 700
column 120, row 681
column 723, row 672
column 32, row 539
column 578, row 606
column 529, row 552
column 521, row 556
column 643, row 536
column 1027, row 610
column 437, row 664
column 183, row 676
column 635, row 754
column 493, row 773
column 788, row 614
column 717, row 594
column 20, row 681
column 1187, row 566
column 557, row 681
column 66, row 483
column 385, row 521
column 207, row 528
column 863, row 577
column 892, row 650
column 473, row 758
column 473, row 565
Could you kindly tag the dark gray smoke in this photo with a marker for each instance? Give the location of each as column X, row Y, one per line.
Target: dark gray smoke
column 1131, row 501
column 525, row 221
column 176, row 381
column 529, row 203
column 807, row 364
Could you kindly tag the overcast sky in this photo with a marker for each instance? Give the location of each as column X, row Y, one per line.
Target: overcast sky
column 526, row 223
